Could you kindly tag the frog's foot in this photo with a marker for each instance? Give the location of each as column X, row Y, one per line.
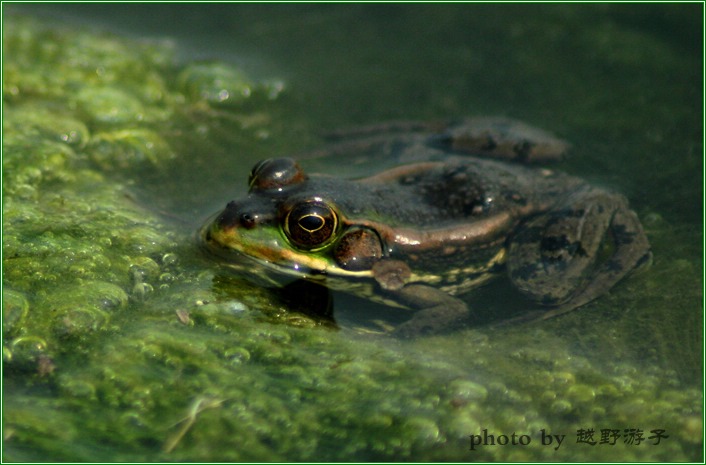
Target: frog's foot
column 562, row 259
column 501, row 138
column 439, row 311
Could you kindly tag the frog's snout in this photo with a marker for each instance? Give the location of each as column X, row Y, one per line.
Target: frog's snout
column 229, row 218
column 236, row 216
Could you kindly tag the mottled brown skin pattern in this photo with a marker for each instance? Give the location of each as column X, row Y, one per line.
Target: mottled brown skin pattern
column 447, row 219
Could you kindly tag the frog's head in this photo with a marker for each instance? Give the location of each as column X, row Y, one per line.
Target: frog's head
column 291, row 222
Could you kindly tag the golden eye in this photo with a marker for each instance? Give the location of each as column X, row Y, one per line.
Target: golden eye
column 310, row 225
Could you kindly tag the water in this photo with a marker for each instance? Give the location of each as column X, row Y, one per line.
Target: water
column 623, row 83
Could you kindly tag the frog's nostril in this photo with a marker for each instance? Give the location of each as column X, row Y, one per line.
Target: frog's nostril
column 247, row 220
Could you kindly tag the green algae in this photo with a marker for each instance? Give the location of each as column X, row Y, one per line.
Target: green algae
column 78, row 251
column 122, row 342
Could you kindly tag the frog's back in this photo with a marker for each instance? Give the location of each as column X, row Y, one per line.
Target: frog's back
column 437, row 194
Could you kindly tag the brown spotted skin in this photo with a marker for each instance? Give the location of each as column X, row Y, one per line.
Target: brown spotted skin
column 550, row 256
column 460, row 206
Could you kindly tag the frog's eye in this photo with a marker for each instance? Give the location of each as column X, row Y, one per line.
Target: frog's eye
column 310, row 225
column 275, row 173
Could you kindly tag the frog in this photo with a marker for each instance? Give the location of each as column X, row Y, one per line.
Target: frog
column 460, row 204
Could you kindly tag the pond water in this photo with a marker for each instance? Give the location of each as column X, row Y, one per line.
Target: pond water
column 194, row 363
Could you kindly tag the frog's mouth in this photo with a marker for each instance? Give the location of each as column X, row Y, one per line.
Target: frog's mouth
column 262, row 271
column 269, row 252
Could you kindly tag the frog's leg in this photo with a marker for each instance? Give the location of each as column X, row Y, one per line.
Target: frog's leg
column 501, row 138
column 556, row 259
column 382, row 151
column 385, row 129
column 436, row 310
column 394, row 142
column 414, row 141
